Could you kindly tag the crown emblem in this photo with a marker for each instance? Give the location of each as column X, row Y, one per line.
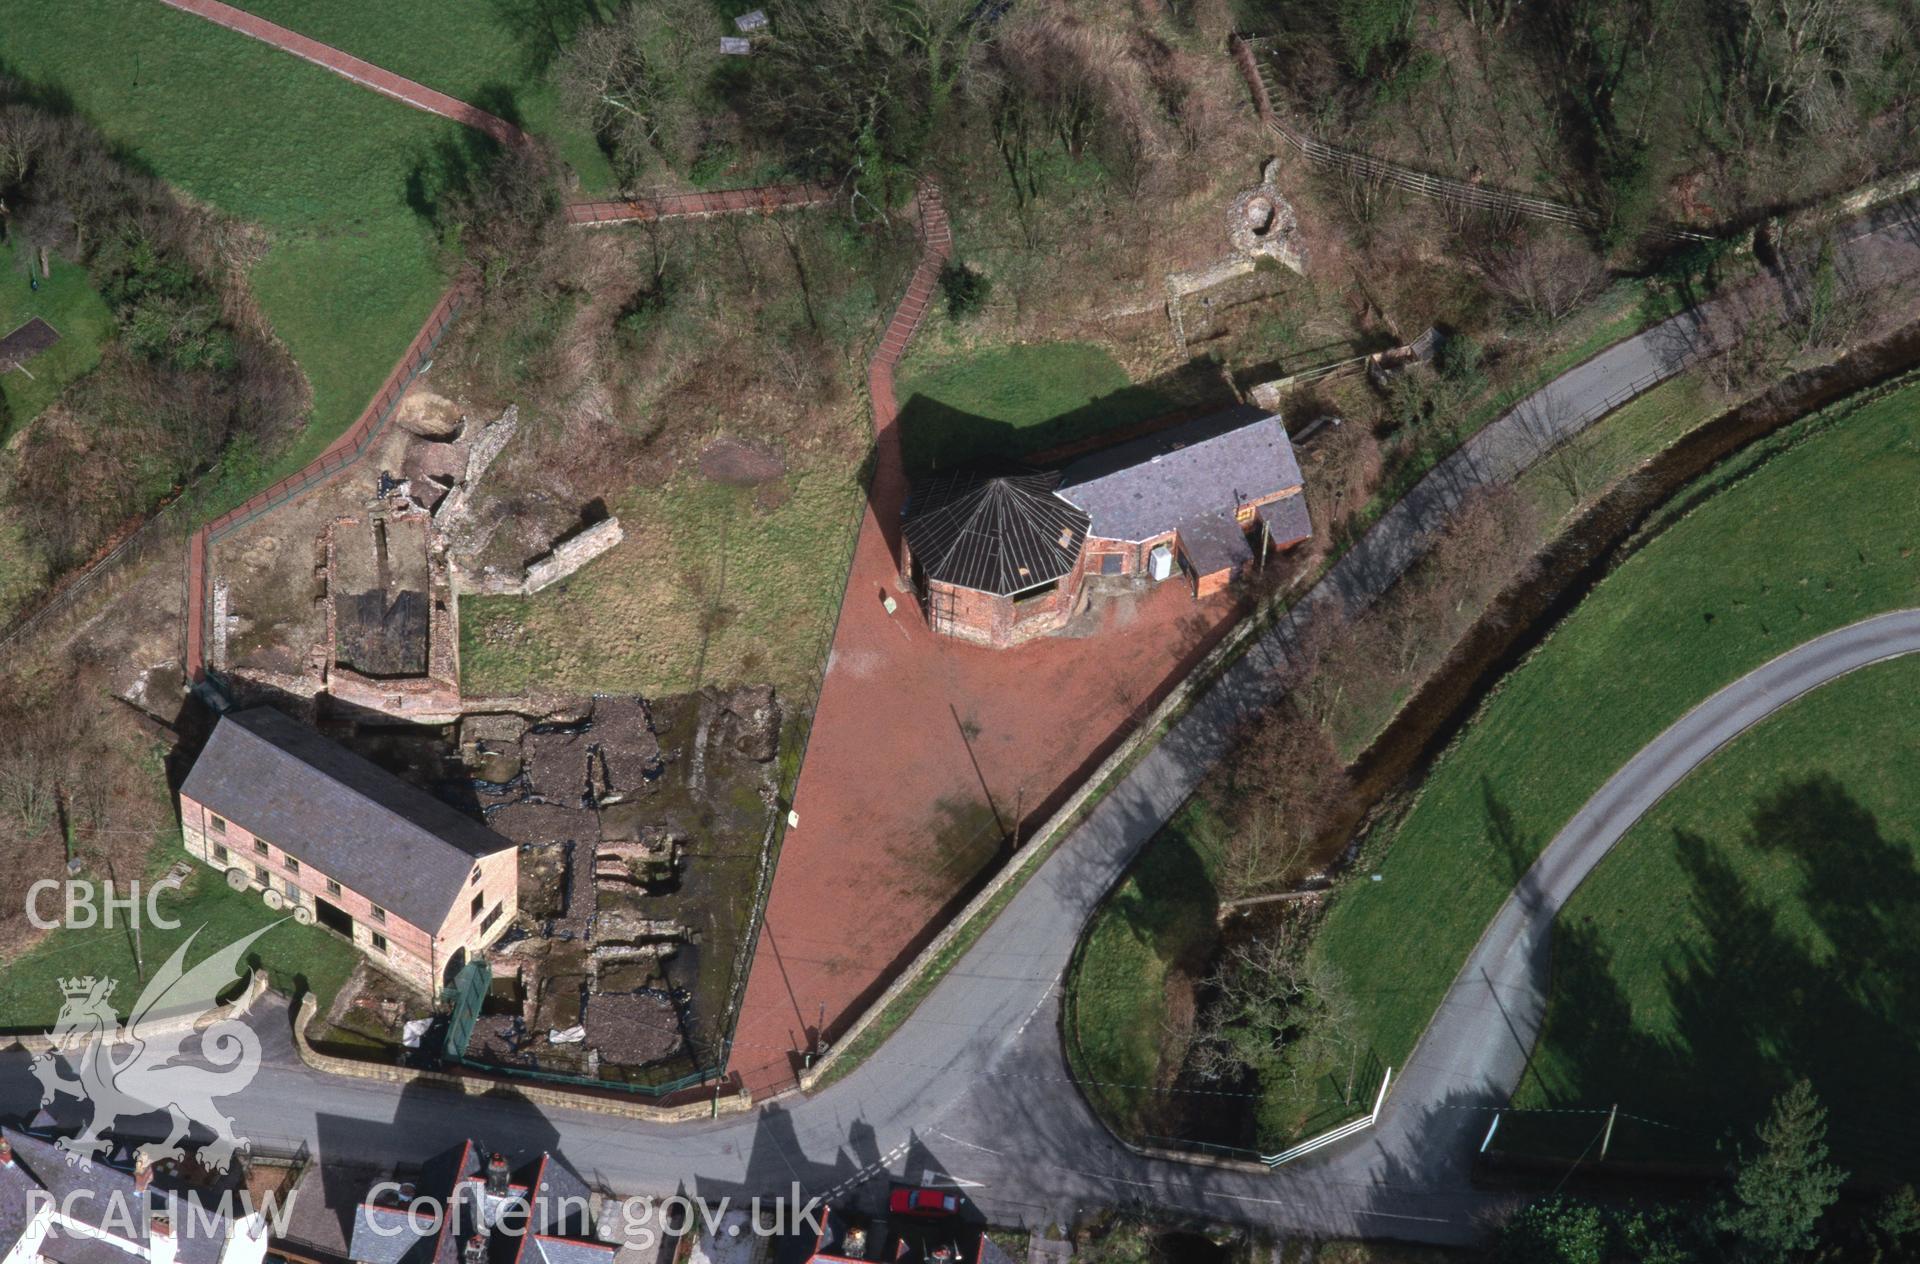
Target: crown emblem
column 79, row 989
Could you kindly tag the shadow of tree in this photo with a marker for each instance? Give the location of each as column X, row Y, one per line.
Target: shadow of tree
column 1805, row 965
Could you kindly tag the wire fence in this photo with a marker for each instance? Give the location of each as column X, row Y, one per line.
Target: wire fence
column 1250, row 54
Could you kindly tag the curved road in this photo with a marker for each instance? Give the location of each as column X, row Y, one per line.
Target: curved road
column 973, row 1086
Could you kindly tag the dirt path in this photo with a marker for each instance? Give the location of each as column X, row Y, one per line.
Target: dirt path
column 347, row 66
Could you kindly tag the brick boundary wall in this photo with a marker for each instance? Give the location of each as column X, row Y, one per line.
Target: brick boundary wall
column 349, row 67
column 707, row 1107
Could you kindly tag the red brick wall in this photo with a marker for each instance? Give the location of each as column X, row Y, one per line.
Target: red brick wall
column 411, row 951
column 986, row 619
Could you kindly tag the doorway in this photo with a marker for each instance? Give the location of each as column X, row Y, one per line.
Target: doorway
column 333, row 917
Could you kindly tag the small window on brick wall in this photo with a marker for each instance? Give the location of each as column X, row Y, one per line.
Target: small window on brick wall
column 378, row 941
column 259, row 848
column 293, row 866
column 479, row 902
column 218, row 824
column 1110, row 563
column 333, row 888
column 379, row 914
column 220, row 854
column 260, row 872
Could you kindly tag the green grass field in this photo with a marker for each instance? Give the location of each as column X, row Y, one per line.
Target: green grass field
column 709, row 586
column 68, row 302
column 1159, row 919
column 1757, row 926
column 493, row 55
column 1811, row 531
column 324, row 167
column 293, row 956
column 1007, row 401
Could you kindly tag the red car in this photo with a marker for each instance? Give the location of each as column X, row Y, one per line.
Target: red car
column 924, row 1202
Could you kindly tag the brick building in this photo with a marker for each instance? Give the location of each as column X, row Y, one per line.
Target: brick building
column 466, row 1206
column 1000, row 558
column 416, row 885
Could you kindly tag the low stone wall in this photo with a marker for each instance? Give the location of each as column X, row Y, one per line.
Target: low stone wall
column 481, row 1085
column 572, row 553
column 41, row 1042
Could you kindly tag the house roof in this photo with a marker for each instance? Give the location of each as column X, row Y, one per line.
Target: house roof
column 101, row 1196
column 530, row 1225
column 1214, row 543
column 1287, row 520
column 327, row 807
column 1150, row 486
column 1000, row 533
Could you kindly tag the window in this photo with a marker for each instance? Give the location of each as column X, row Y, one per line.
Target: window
column 259, row 848
column 378, row 941
column 492, row 917
column 475, row 875
column 260, row 872
column 293, row 866
column 220, row 854
column 216, row 823
column 379, row 914
column 479, row 902
column 1111, row 563
column 333, row 888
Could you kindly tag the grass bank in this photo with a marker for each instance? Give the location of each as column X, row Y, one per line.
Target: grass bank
column 1008, row 401
column 294, row 956
column 68, row 302
column 346, row 266
column 1811, row 530
column 1754, row 927
column 496, row 56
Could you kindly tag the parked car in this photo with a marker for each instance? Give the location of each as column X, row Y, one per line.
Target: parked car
column 924, row 1202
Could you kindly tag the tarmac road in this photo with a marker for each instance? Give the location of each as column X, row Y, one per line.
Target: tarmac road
column 973, row 1086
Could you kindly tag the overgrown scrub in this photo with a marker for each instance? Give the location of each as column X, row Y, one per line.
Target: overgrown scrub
column 194, row 368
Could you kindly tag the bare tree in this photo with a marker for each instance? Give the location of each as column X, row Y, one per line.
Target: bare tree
column 1543, row 279
column 637, row 81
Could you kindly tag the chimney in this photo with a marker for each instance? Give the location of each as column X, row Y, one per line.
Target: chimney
column 142, row 1172
column 497, row 1174
column 476, row 1252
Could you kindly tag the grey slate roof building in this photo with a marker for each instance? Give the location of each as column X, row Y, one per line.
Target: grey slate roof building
column 1164, row 481
column 105, row 1200
column 493, row 1217
column 331, row 809
column 1000, row 534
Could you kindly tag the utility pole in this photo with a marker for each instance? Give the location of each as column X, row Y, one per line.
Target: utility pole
column 1606, row 1138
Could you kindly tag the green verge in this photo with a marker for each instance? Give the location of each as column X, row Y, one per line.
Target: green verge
column 1007, row 401
column 67, row 301
column 1754, row 927
column 324, row 167
column 1807, row 532
column 294, row 956
column 494, row 56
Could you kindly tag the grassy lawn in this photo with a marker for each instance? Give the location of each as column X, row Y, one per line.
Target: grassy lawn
column 293, row 956
column 1811, row 531
column 710, row 585
column 68, row 302
column 349, row 268
column 495, row 56
column 1756, row 926
column 1006, row 401
column 1158, row 920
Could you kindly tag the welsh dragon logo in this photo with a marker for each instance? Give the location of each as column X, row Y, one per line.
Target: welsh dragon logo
column 125, row 1071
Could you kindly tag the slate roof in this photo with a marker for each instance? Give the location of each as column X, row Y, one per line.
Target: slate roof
column 101, row 1196
column 1000, row 534
column 530, row 1226
column 1149, row 486
column 327, row 807
column 1215, row 543
column 1287, row 520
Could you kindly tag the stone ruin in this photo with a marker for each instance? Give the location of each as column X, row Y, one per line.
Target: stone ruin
column 1262, row 224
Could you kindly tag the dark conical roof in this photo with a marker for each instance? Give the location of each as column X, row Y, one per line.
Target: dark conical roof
column 1000, row 534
